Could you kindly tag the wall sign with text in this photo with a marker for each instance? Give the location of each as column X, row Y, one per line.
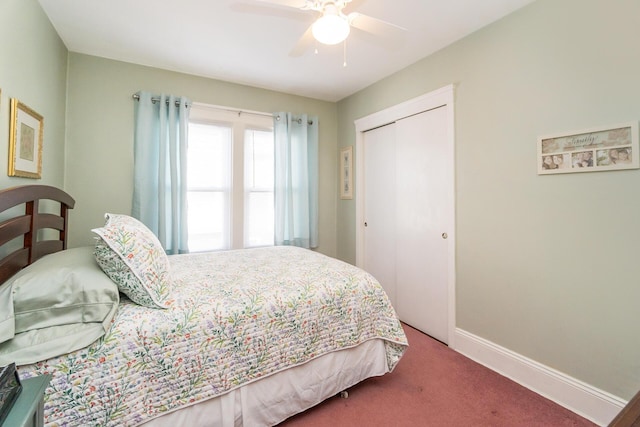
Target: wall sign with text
column 598, row 149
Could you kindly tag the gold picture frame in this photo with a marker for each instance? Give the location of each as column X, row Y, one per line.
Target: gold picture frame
column 346, row 173
column 25, row 141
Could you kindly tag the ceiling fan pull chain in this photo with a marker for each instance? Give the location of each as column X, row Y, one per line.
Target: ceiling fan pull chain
column 344, row 54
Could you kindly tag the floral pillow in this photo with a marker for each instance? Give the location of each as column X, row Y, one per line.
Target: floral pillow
column 131, row 255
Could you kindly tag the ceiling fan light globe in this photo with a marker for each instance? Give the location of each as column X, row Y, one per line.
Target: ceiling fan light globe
column 330, row 29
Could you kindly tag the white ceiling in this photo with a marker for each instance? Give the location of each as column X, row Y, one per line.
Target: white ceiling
column 249, row 41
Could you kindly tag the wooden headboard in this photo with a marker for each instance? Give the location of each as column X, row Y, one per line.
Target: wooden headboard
column 28, row 224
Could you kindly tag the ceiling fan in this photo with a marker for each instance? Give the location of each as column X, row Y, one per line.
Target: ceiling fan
column 334, row 22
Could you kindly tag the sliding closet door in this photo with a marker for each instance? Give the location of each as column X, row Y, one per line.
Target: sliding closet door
column 380, row 223
column 421, row 218
column 406, row 213
column 405, row 196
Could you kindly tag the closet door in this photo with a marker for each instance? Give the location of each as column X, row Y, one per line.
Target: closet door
column 421, row 217
column 405, row 195
column 380, row 211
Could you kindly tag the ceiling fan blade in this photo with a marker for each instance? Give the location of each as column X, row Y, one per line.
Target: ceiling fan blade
column 266, row 9
column 303, row 44
column 374, row 25
column 298, row 4
column 353, row 4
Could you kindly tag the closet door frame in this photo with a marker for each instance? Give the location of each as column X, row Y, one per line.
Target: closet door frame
column 439, row 98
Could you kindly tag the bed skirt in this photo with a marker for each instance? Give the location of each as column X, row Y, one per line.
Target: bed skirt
column 271, row 400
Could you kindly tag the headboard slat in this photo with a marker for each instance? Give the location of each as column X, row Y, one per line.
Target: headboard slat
column 26, row 225
column 13, row 263
column 47, row 247
column 51, row 221
column 14, row 227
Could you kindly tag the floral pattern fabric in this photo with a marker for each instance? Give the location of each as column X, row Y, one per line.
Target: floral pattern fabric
column 131, row 255
column 234, row 317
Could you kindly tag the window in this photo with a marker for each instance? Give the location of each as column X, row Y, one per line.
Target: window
column 230, row 179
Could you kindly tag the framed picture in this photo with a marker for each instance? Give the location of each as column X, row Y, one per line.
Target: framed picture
column 346, row 173
column 598, row 149
column 25, row 141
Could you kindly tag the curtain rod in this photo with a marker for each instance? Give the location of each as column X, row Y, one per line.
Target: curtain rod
column 156, row 99
column 241, row 112
column 299, row 120
column 237, row 111
column 232, row 110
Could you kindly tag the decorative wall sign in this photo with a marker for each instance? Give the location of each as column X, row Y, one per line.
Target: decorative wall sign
column 598, row 149
column 25, row 141
column 346, row 173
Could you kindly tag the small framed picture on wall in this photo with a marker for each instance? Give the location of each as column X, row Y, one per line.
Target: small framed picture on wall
column 346, row 173
column 25, row 141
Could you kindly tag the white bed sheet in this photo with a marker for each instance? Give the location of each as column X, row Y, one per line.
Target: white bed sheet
column 271, row 400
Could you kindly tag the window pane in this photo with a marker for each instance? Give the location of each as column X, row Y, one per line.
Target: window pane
column 209, row 170
column 259, row 179
column 259, row 226
column 209, row 156
column 259, row 159
column 208, row 218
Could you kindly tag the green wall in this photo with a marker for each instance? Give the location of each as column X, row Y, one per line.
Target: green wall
column 33, row 69
column 547, row 266
column 100, row 135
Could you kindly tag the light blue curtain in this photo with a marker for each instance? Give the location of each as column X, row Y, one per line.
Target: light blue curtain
column 160, row 168
column 296, row 180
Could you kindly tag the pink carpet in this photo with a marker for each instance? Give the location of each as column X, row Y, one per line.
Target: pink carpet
column 435, row 386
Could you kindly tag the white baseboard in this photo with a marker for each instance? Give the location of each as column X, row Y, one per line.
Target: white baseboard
column 587, row 401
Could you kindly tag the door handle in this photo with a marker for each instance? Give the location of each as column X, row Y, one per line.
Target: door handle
column 445, row 236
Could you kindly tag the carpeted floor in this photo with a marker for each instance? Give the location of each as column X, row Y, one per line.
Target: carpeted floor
column 435, row 386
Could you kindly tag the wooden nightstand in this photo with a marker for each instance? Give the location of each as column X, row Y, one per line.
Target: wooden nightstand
column 28, row 410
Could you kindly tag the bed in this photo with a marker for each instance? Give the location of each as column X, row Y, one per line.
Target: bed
column 246, row 337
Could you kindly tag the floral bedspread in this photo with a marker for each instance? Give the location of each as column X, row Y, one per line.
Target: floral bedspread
column 235, row 317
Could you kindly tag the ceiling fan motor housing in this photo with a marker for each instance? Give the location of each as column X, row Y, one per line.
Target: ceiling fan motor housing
column 333, row 26
column 320, row 5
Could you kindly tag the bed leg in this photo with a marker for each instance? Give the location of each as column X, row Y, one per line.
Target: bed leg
column 344, row 394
